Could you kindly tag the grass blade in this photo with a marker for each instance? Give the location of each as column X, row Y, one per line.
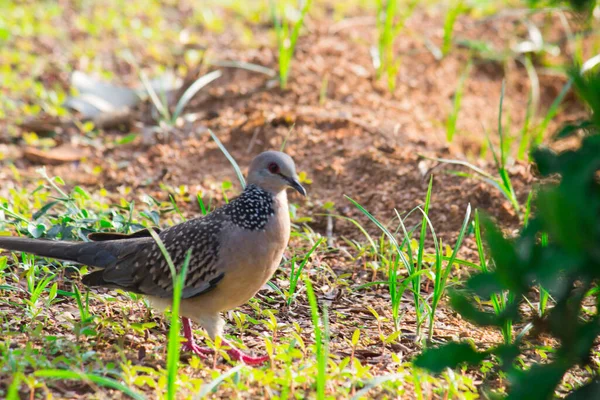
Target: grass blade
column 450, row 20
column 296, row 274
column 205, row 390
column 321, row 347
column 192, row 90
column 173, row 346
column 234, row 164
column 162, row 108
column 541, row 129
column 451, row 122
column 245, row 65
column 79, row 376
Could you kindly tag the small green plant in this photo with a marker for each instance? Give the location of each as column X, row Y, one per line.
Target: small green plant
column 296, row 271
column 441, row 273
column 452, row 118
column 388, row 30
column 396, row 285
column 86, row 319
column 161, row 103
column 286, row 38
column 499, row 300
column 532, row 106
column 456, row 8
column 415, row 264
column 36, row 289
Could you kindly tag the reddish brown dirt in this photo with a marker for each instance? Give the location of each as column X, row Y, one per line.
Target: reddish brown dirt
column 361, row 141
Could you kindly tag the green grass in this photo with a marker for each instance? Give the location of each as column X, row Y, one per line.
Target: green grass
column 453, row 117
column 388, row 29
column 287, row 36
column 296, row 271
column 442, row 273
column 499, row 301
column 532, row 106
column 321, row 330
column 396, row 254
column 456, row 8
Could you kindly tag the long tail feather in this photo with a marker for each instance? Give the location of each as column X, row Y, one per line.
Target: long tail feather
column 93, row 254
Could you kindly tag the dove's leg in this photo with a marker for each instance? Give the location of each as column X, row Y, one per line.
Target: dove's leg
column 191, row 345
column 235, row 353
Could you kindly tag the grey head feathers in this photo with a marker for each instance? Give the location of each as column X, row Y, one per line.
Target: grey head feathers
column 274, row 171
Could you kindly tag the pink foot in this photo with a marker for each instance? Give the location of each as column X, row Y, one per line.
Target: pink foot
column 235, row 353
column 192, row 347
column 238, row 355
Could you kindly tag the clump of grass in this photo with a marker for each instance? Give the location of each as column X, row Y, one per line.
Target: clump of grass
column 396, row 286
column 384, row 59
column 415, row 264
column 441, row 273
column 287, row 36
column 161, row 103
column 532, row 105
column 452, row 14
column 451, row 122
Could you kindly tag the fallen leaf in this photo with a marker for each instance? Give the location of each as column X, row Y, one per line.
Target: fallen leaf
column 57, row 155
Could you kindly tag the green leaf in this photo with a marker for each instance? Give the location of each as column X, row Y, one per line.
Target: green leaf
column 465, row 306
column 36, row 230
column 42, row 211
column 127, row 139
column 355, row 337
column 80, row 191
column 571, row 129
column 539, row 382
column 485, row 284
column 4, row 34
column 591, row 390
column 450, row 355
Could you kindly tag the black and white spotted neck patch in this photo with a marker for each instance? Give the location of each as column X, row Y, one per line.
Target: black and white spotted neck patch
column 252, row 209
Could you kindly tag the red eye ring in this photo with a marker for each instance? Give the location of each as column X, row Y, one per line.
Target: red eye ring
column 273, row 168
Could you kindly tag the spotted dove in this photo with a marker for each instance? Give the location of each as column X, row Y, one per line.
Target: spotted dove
column 234, row 251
